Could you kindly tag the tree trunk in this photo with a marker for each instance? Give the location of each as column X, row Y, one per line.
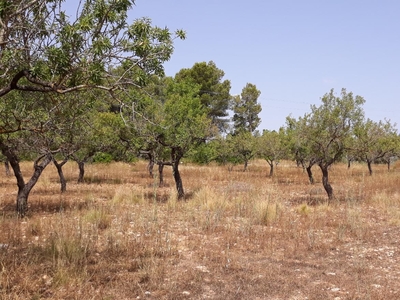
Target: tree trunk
column 150, row 166
column 7, row 167
column 176, row 155
column 24, row 188
column 369, row 163
column 298, row 163
column 178, row 180
column 246, row 162
column 22, row 202
column 271, row 168
column 161, row 173
column 310, row 174
column 81, row 165
column 63, row 182
column 303, row 165
column 348, row 163
column 325, row 181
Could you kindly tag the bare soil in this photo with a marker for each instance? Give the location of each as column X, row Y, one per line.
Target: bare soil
column 237, row 235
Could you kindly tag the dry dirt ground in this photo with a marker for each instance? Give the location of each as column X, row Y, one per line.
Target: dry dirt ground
column 237, row 235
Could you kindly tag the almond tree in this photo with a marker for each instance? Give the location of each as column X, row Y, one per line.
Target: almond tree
column 225, row 152
column 6, row 164
column 44, row 51
column 185, row 124
column 243, row 147
column 328, row 128
column 375, row 141
column 24, row 123
column 271, row 147
column 169, row 121
column 298, row 147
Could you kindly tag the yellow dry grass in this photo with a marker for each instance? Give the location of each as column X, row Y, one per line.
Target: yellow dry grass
column 237, row 235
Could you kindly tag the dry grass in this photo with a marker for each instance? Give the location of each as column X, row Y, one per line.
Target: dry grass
column 238, row 235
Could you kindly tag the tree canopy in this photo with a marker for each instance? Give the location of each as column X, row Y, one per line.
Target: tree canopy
column 45, row 53
column 246, row 109
column 43, row 49
column 214, row 93
column 374, row 141
column 327, row 130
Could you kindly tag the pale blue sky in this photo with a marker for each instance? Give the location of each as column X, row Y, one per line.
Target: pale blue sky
column 294, row 51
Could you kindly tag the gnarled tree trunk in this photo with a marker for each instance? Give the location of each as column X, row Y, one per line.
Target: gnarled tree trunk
column 369, row 163
column 7, row 167
column 271, row 167
column 325, row 181
column 81, row 165
column 178, row 180
column 310, row 174
column 150, row 167
column 161, row 173
column 176, row 155
column 24, row 188
column 246, row 163
column 59, row 166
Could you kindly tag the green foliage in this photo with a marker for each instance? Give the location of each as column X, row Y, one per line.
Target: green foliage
column 374, row 141
column 298, row 147
column 44, row 50
column 67, row 69
column 246, row 109
column 185, row 122
column 226, row 153
column 324, row 135
column 271, row 145
column 102, row 157
column 326, row 131
column 203, row 153
column 213, row 92
column 235, row 149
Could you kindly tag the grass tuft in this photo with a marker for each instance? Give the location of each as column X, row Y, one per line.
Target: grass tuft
column 236, row 235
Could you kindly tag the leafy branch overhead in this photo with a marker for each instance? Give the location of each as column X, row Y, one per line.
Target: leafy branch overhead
column 44, row 49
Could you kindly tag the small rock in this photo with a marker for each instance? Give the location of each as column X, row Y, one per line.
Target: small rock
column 203, row 269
